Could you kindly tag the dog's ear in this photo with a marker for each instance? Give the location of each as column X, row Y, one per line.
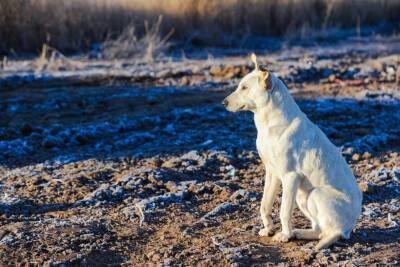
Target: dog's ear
column 253, row 58
column 265, row 79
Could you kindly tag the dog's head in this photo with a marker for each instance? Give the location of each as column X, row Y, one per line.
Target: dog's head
column 253, row 92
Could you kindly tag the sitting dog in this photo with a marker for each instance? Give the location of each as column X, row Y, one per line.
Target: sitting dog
column 298, row 155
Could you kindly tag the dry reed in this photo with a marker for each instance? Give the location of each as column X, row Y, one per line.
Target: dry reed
column 75, row 25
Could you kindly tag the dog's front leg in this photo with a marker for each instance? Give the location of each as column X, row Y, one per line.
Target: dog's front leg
column 290, row 185
column 271, row 187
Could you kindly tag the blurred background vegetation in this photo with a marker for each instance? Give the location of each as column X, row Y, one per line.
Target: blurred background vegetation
column 75, row 25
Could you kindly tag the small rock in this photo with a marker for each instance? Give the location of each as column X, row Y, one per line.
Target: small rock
column 372, row 212
column 356, row 157
column 150, row 254
column 215, row 71
column 184, row 81
column 231, row 170
column 172, row 163
column 366, row 187
column 332, row 78
column 376, row 162
column 171, row 186
column 230, row 72
column 366, row 155
column 156, row 257
column 325, row 251
column 392, row 222
column 118, row 191
column 396, row 174
column 165, row 73
column 192, row 155
column 380, row 174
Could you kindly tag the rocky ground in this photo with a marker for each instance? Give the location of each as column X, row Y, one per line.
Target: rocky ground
column 126, row 163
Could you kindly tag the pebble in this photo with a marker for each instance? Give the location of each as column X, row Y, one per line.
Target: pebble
column 371, row 212
column 150, row 254
column 366, row 155
column 172, row 163
column 332, row 78
column 215, row 70
column 396, row 174
column 356, row 157
column 366, row 187
column 184, row 81
column 156, row 257
column 380, row 174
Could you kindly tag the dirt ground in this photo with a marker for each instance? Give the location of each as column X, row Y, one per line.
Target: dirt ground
column 121, row 163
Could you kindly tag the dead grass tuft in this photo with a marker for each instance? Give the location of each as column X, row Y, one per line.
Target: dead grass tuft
column 75, row 25
column 128, row 45
column 51, row 59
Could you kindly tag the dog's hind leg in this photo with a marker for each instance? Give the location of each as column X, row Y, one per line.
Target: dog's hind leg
column 307, row 234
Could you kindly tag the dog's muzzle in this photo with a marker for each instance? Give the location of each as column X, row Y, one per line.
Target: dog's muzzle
column 225, row 102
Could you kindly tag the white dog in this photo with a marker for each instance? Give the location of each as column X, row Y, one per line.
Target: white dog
column 296, row 153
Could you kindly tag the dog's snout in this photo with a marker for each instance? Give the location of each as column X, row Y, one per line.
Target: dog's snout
column 225, row 102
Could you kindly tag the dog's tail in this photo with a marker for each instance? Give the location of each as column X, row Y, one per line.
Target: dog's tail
column 328, row 240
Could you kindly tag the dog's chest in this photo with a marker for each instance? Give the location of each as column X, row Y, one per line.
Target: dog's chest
column 265, row 148
column 268, row 140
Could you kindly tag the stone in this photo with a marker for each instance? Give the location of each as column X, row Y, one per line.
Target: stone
column 356, row 157
column 396, row 174
column 184, row 81
column 380, row 174
column 172, row 163
column 215, row 71
column 366, row 187
column 366, row 155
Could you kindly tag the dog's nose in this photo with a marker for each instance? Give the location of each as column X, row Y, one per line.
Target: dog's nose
column 225, row 102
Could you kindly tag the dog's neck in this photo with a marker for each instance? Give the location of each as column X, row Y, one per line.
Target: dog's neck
column 280, row 110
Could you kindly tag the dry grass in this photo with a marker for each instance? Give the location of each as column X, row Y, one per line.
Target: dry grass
column 73, row 25
column 51, row 59
column 128, row 45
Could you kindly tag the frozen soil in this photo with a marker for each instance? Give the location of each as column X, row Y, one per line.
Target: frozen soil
column 121, row 163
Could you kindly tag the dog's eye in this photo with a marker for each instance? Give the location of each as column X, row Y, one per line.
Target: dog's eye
column 244, row 87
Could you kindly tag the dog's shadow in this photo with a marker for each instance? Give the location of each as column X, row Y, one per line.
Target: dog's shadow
column 380, row 194
column 375, row 235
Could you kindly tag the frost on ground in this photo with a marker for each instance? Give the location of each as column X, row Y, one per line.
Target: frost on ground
column 121, row 163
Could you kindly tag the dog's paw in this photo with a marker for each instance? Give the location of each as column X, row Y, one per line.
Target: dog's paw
column 281, row 237
column 265, row 231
